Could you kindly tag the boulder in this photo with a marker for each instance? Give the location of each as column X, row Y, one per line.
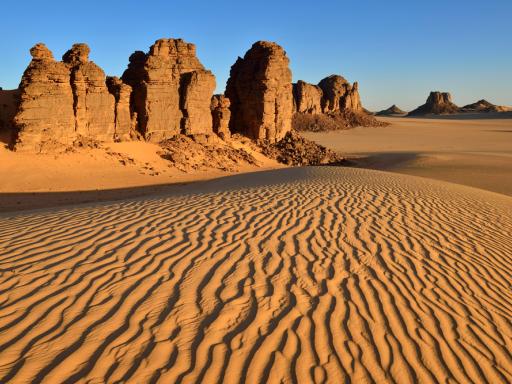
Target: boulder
column 158, row 98
column 45, row 113
column 437, row 103
column 121, row 93
column 93, row 104
column 308, row 97
column 221, row 115
column 260, row 91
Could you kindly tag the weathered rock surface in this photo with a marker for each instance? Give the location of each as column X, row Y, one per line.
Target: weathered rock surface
column 260, row 91
column 339, row 95
column 308, row 97
column 391, row 111
column 437, row 103
column 123, row 120
column 8, row 105
column 197, row 89
column 45, row 113
column 221, row 115
column 93, row 104
column 168, row 103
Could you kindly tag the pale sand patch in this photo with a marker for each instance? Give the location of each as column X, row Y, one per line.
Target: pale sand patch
column 475, row 152
column 300, row 275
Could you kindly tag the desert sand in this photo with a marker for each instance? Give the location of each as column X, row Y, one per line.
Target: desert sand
column 320, row 274
column 113, row 171
column 470, row 151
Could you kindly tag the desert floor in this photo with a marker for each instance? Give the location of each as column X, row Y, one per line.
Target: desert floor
column 460, row 149
column 311, row 275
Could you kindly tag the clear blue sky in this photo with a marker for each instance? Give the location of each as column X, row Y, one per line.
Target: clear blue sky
column 397, row 50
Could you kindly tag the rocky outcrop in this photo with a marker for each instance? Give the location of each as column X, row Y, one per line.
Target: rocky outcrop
column 92, row 103
column 197, row 88
column 260, row 91
column 438, row 103
column 8, row 105
column 63, row 101
column 123, row 119
column 221, row 115
column 391, row 111
column 171, row 90
column 484, row 106
column 308, row 97
column 45, row 113
column 339, row 95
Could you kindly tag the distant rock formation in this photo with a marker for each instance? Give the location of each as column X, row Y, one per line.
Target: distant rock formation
column 260, row 91
column 333, row 104
column 438, row 103
column 484, row 106
column 391, row 111
column 339, row 95
column 308, row 97
column 171, row 90
column 221, row 115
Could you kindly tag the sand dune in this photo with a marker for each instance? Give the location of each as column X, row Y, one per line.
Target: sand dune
column 320, row 275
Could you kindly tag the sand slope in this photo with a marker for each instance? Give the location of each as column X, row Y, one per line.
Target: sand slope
column 474, row 152
column 299, row 275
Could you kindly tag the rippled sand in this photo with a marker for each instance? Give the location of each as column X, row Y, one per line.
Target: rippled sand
column 299, row 275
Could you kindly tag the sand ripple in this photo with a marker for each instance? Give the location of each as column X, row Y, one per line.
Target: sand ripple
column 305, row 275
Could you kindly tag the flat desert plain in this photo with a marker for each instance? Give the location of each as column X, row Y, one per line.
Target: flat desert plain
column 460, row 149
column 300, row 275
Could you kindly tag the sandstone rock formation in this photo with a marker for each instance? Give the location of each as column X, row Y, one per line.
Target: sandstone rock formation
column 308, row 97
column 339, row 95
column 437, row 103
column 391, row 111
column 62, row 101
column 92, row 103
column 171, row 90
column 123, row 120
column 260, row 91
column 46, row 110
column 221, row 115
column 197, row 88
column 484, row 106
column 8, row 105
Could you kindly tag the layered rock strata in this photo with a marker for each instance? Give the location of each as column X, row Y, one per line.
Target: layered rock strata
column 221, row 115
column 260, row 91
column 171, row 90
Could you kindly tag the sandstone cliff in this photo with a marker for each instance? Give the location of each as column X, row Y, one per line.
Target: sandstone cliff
column 45, row 113
column 171, row 90
column 437, row 103
column 8, row 104
column 308, row 97
column 260, row 91
column 61, row 102
column 92, row 103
